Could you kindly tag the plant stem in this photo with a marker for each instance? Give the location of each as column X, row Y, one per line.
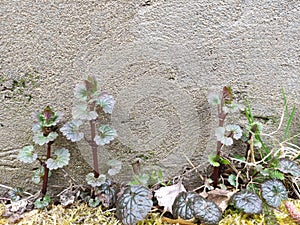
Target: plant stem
column 46, row 169
column 93, row 144
column 222, row 116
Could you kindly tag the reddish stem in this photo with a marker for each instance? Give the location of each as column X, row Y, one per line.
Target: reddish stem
column 46, row 169
column 222, row 116
column 93, row 144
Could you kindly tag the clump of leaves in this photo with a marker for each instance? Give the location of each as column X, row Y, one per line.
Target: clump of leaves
column 156, row 177
column 190, row 205
column 272, row 191
column 45, row 132
column 91, row 104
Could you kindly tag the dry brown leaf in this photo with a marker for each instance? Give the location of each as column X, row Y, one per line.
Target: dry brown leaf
column 178, row 221
column 68, row 197
column 15, row 210
column 166, row 195
column 220, row 197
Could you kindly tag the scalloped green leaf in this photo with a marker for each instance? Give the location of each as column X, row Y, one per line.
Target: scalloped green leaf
column 26, row 154
column 288, row 166
column 220, row 134
column 80, row 92
column 134, row 204
column 214, row 98
column 95, row 182
column 61, row 158
column 232, row 180
column 43, row 202
column 94, row 202
column 37, row 127
column 106, row 102
column 248, row 202
column 214, row 160
column 40, row 139
column 107, row 134
column 72, row 130
column 82, row 112
column 236, row 130
column 240, row 158
column 140, row 179
column 206, row 211
column 183, row 205
column 38, row 175
column 273, row 191
column 15, row 194
column 115, row 167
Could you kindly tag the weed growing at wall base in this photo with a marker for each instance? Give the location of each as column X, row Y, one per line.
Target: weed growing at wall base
column 45, row 132
column 90, row 105
column 253, row 183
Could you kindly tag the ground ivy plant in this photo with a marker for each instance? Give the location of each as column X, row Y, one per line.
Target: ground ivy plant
column 44, row 133
column 133, row 202
column 88, row 110
column 224, row 133
column 191, row 206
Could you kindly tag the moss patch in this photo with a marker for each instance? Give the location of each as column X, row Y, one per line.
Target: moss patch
column 80, row 213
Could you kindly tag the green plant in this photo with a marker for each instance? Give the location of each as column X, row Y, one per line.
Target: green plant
column 134, row 204
column 190, row 205
column 265, row 170
column 44, row 130
column 90, row 105
column 156, row 177
column 262, row 162
column 224, row 134
column 273, row 192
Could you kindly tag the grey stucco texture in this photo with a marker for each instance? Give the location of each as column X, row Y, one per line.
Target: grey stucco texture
column 158, row 58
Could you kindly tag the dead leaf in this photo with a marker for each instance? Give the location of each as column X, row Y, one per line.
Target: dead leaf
column 178, row 221
column 15, row 210
column 68, row 197
column 220, row 197
column 166, row 195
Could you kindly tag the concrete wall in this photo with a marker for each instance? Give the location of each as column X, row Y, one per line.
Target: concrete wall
column 158, row 58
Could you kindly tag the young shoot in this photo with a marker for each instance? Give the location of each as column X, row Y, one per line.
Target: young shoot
column 224, row 133
column 44, row 133
column 91, row 104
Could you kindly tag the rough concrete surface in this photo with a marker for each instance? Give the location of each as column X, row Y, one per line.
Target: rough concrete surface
column 158, row 58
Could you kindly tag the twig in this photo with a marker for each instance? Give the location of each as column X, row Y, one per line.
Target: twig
column 194, row 167
column 237, row 180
